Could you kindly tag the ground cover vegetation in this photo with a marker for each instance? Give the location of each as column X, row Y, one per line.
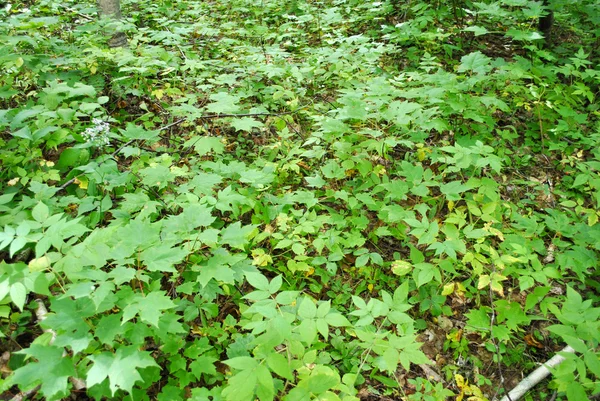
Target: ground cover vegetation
column 299, row 200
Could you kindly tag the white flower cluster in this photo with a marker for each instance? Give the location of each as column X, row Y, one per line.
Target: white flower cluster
column 98, row 134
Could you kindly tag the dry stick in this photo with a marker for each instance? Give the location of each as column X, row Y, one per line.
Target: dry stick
column 536, row 376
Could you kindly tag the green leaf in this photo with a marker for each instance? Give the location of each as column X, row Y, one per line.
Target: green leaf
column 199, row 215
column 258, row 178
column 18, row 294
column 279, row 365
column 223, row 103
column 203, row 364
column 258, row 281
column 237, row 236
column 453, row 189
column 477, row 30
column 148, row 307
column 157, row 176
column 388, row 362
column 242, row 363
column 56, row 368
column 298, row 394
column 308, row 331
column 40, row 212
column 108, row 328
column 321, row 380
column 401, row 267
column 246, row 124
column 136, row 132
column 275, row 284
column 205, row 145
column 266, row 389
column 121, row 368
column 163, row 258
column 476, row 62
column 337, row 320
column 241, row 386
column 307, row 308
column 217, row 267
column 576, row 392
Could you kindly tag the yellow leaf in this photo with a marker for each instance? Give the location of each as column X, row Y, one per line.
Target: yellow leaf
column 460, row 381
column 401, row 267
column 592, row 219
column 260, row 258
column 450, row 205
column 379, row 170
column 19, row 62
column 82, row 182
column 496, row 285
column 159, row 93
column 448, row 289
column 484, row 281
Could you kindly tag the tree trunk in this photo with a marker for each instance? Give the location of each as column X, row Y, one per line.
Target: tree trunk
column 112, row 9
column 545, row 23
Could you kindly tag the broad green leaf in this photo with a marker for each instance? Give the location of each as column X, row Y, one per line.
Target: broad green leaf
column 148, row 307
column 205, row 145
column 245, row 124
column 388, row 362
column 242, row 363
column 203, row 364
column 56, row 368
column 279, row 365
column 40, row 212
column 18, row 294
column 337, row 320
column 241, row 387
column 476, row 62
column 576, row 392
column 453, row 189
column 477, row 30
column 308, row 331
column 265, row 389
column 258, row 281
column 307, row 309
column 133, row 131
column 223, row 103
column 121, row 368
column 321, row 380
column 237, row 236
column 163, row 258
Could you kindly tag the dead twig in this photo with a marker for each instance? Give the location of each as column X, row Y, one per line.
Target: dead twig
column 536, row 376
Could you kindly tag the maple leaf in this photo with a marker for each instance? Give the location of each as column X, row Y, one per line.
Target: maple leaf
column 223, row 103
column 120, row 368
column 246, row 124
column 148, row 307
column 237, row 236
column 52, row 370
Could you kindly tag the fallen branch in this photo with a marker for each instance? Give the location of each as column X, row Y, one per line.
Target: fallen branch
column 536, row 376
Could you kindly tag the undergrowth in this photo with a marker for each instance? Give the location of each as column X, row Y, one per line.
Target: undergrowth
column 298, row 200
